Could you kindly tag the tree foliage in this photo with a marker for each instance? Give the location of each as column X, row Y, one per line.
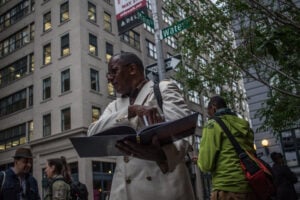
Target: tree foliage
column 250, row 39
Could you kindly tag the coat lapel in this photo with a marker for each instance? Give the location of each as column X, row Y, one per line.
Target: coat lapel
column 144, row 93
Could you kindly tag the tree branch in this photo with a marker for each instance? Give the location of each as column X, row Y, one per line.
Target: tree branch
column 278, row 16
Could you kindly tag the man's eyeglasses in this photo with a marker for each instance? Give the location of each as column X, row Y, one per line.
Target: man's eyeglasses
column 113, row 72
column 110, row 75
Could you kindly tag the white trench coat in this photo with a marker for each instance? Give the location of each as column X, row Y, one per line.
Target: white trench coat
column 137, row 179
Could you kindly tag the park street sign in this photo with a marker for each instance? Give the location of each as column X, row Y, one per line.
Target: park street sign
column 176, row 28
column 170, row 63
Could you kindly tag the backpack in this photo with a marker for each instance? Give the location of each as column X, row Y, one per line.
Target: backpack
column 257, row 172
column 78, row 190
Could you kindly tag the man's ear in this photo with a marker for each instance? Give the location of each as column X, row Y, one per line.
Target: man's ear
column 214, row 108
column 132, row 69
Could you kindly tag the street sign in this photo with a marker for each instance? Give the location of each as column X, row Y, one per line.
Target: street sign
column 176, row 28
column 144, row 17
column 170, row 63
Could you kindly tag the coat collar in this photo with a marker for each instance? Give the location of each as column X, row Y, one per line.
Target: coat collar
column 144, row 93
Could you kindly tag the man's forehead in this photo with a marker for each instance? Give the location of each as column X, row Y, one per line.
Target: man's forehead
column 115, row 59
column 25, row 160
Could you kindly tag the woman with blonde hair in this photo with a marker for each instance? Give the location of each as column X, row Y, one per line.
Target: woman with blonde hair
column 59, row 178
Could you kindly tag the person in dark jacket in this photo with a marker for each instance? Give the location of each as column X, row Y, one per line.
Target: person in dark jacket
column 284, row 178
column 18, row 183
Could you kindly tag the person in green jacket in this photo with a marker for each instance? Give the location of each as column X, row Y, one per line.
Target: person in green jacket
column 217, row 155
column 59, row 179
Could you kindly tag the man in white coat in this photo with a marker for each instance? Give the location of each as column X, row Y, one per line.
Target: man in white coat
column 148, row 172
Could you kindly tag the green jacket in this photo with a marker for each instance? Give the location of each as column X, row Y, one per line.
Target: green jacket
column 217, row 155
column 58, row 189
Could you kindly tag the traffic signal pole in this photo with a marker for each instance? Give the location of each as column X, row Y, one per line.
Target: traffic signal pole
column 158, row 42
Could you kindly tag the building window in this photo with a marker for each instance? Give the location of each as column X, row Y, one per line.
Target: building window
column 65, row 119
column 30, row 131
column 149, row 28
column 194, row 97
column 64, row 12
column 109, row 51
column 31, row 62
column 111, row 90
column 2, row 2
column 107, row 22
column 149, row 5
column 12, row 137
column 132, row 38
column 94, row 80
column 32, row 5
column 32, row 27
column 47, row 54
column 47, row 88
column 74, row 170
column 13, row 71
column 30, row 96
column 47, row 125
column 151, row 49
column 92, row 12
column 65, row 45
column 93, row 47
column 166, row 17
column 15, row 41
column 96, row 112
column 65, row 80
column 14, row 14
column 290, row 142
column 171, row 41
column 13, row 103
column 102, row 178
column 47, row 21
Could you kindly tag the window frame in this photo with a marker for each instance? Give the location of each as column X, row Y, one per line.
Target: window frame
column 47, row 58
column 65, row 45
column 151, row 49
column 66, row 119
column 64, row 12
column 109, row 49
column 93, row 43
column 95, row 81
column 92, row 12
column 47, row 124
column 107, row 21
column 132, row 38
column 47, row 24
column 47, row 88
column 65, row 81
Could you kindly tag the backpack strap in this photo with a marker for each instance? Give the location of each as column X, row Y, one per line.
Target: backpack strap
column 157, row 95
column 2, row 179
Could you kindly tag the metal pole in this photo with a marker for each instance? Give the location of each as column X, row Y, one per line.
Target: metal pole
column 158, row 43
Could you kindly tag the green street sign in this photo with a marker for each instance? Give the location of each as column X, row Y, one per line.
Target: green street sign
column 145, row 19
column 177, row 27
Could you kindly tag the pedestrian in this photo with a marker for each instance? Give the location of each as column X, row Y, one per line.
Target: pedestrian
column 284, row 178
column 17, row 183
column 147, row 171
column 218, row 156
column 59, row 179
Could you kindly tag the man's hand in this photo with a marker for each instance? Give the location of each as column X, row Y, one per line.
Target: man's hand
column 151, row 113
